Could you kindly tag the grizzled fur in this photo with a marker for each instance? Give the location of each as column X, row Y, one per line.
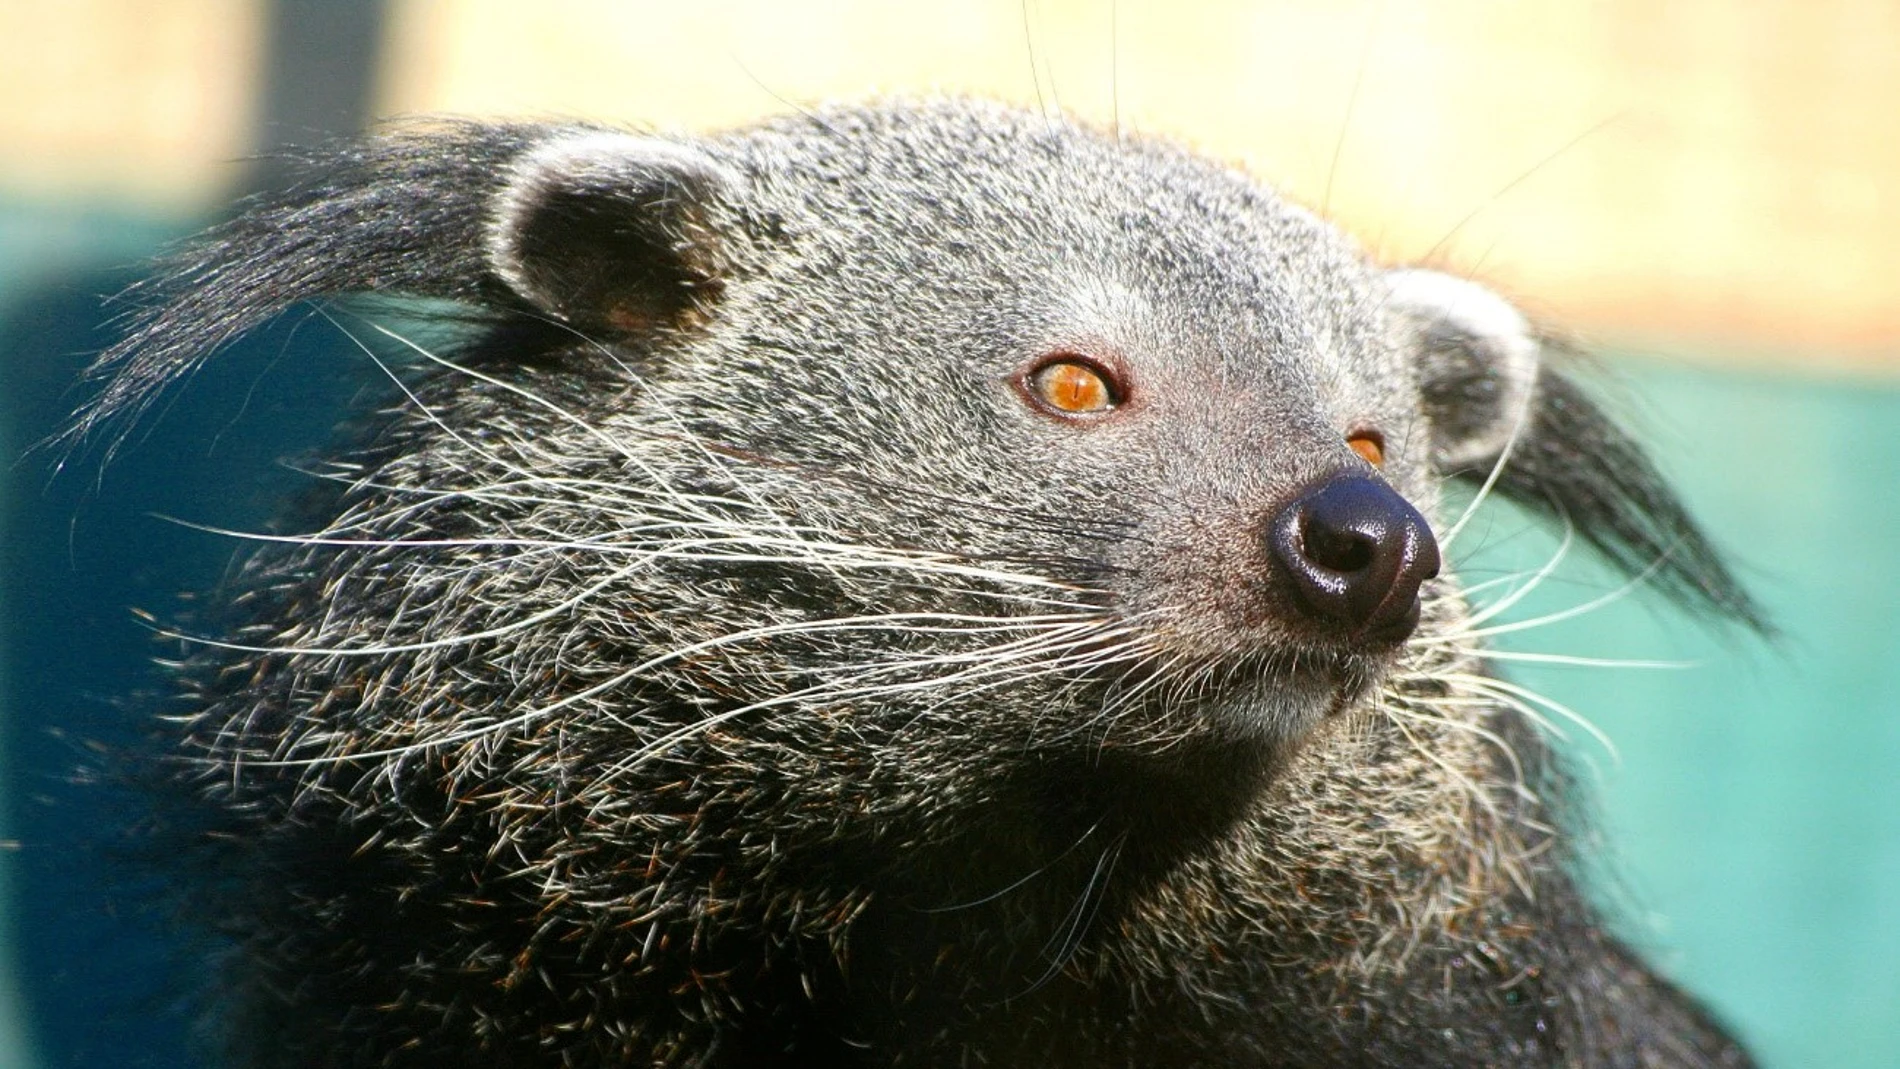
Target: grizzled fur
column 718, row 659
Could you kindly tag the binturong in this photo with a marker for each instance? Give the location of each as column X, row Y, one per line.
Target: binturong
column 915, row 584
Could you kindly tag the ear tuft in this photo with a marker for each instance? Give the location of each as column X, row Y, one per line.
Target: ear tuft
column 1500, row 412
column 612, row 231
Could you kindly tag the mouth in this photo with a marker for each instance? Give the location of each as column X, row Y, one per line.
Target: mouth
column 1287, row 699
column 1271, row 698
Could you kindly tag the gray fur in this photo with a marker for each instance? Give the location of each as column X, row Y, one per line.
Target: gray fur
column 1481, row 354
column 752, row 677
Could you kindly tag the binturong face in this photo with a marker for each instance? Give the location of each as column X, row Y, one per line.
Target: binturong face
column 1149, row 458
column 1176, row 423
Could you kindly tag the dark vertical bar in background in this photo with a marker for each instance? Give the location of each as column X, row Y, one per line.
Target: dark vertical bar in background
column 321, row 61
column 104, row 980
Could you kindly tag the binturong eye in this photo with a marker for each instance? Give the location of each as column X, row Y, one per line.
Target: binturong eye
column 1370, row 445
column 1068, row 386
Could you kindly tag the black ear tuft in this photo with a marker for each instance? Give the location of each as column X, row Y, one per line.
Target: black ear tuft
column 595, row 228
column 1497, row 405
column 610, row 231
column 399, row 214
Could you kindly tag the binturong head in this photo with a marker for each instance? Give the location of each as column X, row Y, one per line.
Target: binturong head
column 937, row 417
column 922, row 485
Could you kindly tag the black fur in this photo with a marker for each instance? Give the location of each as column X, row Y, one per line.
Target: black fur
column 1577, row 465
column 403, row 215
column 655, row 691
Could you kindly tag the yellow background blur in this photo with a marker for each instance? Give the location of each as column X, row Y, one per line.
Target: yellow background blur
column 1700, row 176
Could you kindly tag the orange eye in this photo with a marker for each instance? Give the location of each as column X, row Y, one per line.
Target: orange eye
column 1073, row 388
column 1370, row 446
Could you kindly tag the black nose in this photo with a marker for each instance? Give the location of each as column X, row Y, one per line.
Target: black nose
column 1357, row 553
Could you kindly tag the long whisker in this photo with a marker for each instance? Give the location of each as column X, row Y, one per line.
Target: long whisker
column 1490, row 480
column 1623, row 590
column 1075, row 925
column 838, row 555
column 552, row 612
column 1536, row 580
column 1477, row 793
column 879, row 622
column 1038, row 871
column 1522, row 698
column 1577, row 661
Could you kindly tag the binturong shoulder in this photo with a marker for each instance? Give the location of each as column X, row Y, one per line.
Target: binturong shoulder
column 917, row 583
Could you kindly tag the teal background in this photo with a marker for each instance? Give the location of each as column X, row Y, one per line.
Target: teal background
column 1752, row 815
column 1753, row 809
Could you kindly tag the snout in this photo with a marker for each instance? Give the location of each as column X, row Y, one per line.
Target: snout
column 1355, row 554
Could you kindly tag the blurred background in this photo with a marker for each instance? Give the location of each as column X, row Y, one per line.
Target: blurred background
column 1703, row 192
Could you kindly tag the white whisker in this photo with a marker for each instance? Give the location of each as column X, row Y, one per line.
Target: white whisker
column 1536, row 580
column 880, row 622
column 1521, row 698
column 1577, row 661
column 1623, row 590
column 1490, row 479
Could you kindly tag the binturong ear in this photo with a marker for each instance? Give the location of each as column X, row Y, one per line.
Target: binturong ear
column 612, row 232
column 1500, row 412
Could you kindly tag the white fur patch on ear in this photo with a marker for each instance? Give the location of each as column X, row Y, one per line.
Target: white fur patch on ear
column 606, row 164
column 1478, row 361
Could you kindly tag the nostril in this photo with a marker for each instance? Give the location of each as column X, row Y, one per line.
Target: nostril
column 1342, row 550
column 1356, row 554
